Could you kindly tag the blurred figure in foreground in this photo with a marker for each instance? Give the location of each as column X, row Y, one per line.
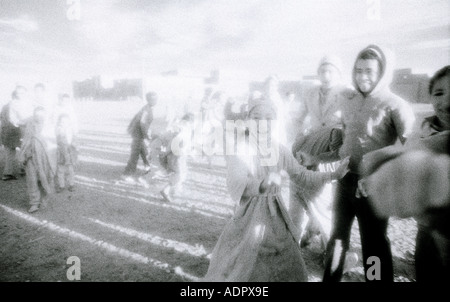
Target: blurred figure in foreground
column 414, row 181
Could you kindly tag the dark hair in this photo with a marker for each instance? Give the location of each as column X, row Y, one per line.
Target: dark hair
column 373, row 53
column 443, row 72
column 14, row 93
column 189, row 117
column 39, row 85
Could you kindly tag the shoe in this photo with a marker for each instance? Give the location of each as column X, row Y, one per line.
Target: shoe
column 128, row 179
column 71, row 188
column 165, row 196
column 147, row 169
column 34, row 208
column 8, row 177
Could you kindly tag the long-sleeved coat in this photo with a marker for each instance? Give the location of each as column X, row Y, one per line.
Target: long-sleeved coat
column 260, row 242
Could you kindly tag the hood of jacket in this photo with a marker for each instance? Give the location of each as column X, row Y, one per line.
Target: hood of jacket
column 387, row 59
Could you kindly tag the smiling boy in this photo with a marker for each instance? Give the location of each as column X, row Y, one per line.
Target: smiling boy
column 372, row 117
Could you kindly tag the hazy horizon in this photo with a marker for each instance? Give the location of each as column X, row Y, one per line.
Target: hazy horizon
column 39, row 42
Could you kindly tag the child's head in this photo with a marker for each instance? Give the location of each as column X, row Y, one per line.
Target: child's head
column 262, row 110
column 271, row 84
column 152, row 98
column 188, row 117
column 39, row 90
column 329, row 71
column 19, row 93
column 439, row 90
column 64, row 100
column 368, row 69
column 290, row 97
column 63, row 121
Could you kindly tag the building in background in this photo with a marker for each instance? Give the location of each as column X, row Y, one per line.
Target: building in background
column 411, row 87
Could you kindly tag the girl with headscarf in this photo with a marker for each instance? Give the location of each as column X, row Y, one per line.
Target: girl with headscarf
column 259, row 243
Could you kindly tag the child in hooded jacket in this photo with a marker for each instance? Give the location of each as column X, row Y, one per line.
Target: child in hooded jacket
column 372, row 117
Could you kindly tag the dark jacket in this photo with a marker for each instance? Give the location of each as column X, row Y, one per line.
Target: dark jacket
column 140, row 124
column 10, row 134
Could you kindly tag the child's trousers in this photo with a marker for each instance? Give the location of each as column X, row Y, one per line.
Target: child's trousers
column 10, row 161
column 65, row 175
column 138, row 148
column 36, row 192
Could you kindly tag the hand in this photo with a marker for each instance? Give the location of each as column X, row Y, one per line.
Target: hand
column 343, row 169
column 305, row 159
column 361, row 191
column 273, row 179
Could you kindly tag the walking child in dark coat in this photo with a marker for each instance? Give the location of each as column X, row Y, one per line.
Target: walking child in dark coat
column 139, row 129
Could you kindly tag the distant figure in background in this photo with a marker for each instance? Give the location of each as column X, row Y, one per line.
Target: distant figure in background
column 205, row 103
column 174, row 161
column 65, row 106
column 139, row 129
column 414, row 181
column 292, row 123
column 319, row 106
column 271, row 92
column 231, row 115
column 42, row 99
column 40, row 167
column 320, row 114
column 66, row 154
column 213, row 121
column 14, row 116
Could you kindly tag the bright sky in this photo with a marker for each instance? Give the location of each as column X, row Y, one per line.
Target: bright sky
column 261, row 37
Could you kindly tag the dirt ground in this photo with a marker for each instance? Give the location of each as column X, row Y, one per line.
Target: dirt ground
column 126, row 232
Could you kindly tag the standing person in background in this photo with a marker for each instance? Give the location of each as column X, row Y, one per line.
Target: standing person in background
column 205, row 104
column 65, row 106
column 175, row 146
column 292, row 121
column 319, row 106
column 214, row 122
column 66, row 153
column 320, row 116
column 44, row 100
column 139, row 129
column 272, row 93
column 40, row 167
column 14, row 116
column 373, row 117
